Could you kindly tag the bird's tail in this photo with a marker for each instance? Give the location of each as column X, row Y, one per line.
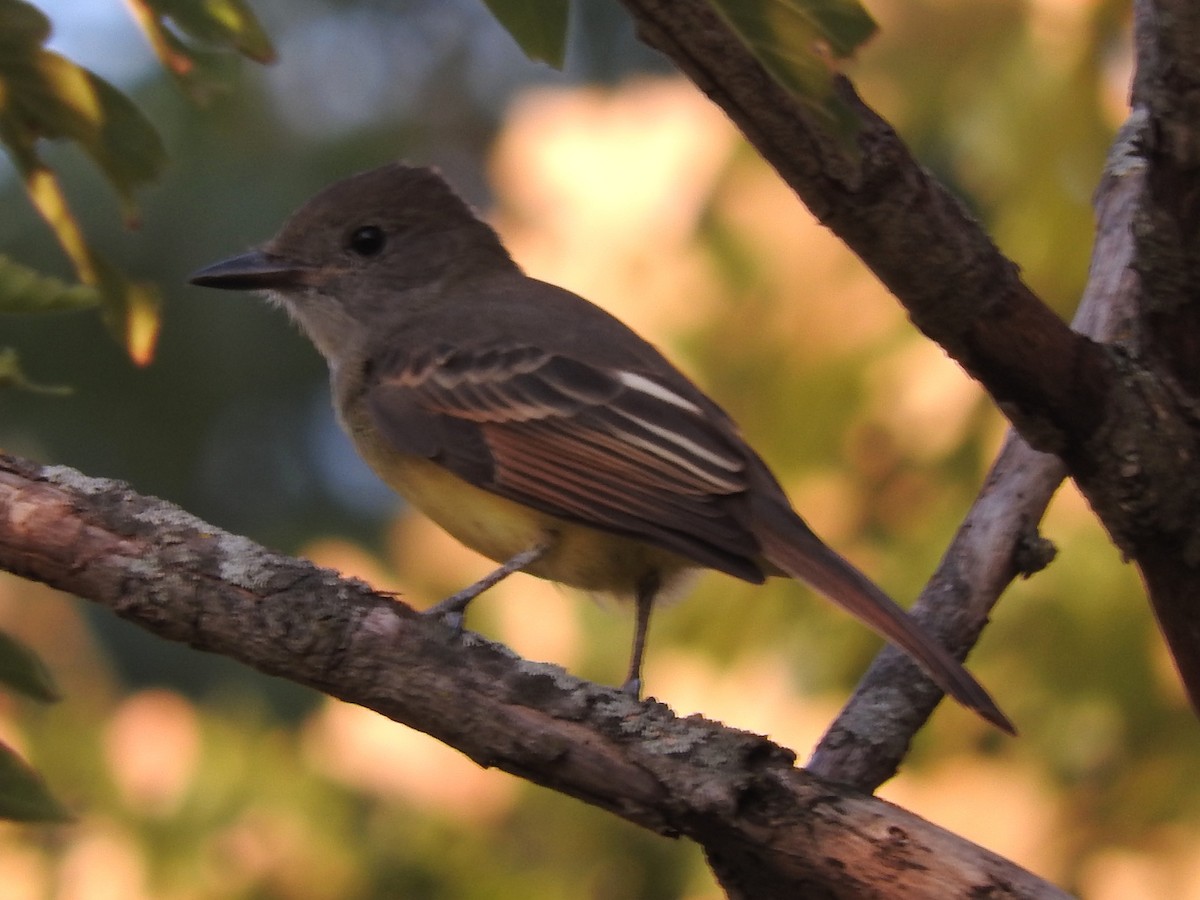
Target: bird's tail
column 790, row 545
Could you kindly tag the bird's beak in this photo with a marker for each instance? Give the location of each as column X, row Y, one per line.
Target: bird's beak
column 253, row 271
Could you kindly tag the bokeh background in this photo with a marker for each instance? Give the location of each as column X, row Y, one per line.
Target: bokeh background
column 193, row 777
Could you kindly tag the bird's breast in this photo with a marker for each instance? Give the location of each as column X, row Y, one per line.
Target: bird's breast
column 499, row 528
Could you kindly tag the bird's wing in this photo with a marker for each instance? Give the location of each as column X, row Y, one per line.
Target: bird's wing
column 613, row 449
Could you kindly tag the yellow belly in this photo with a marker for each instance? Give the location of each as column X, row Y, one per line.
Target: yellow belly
column 499, row 528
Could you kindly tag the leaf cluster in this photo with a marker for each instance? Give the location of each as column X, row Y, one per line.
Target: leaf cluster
column 46, row 97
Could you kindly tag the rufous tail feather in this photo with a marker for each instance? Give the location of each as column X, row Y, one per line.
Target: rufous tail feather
column 789, row 544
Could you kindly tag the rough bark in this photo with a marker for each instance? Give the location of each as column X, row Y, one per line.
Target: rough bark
column 998, row 539
column 769, row 828
column 916, row 237
column 1121, row 416
column 1166, row 232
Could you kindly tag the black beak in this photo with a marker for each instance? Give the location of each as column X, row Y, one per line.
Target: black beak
column 250, row 272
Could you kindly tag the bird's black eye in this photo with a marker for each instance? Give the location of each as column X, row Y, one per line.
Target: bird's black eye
column 367, row 240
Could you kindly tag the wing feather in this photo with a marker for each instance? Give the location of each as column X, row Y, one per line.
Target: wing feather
column 613, row 449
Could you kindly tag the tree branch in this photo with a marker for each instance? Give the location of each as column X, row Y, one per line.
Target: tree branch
column 1125, row 429
column 769, row 829
column 1167, row 235
column 905, row 226
column 998, row 539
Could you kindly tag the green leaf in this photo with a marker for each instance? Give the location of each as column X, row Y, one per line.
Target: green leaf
column 223, row 24
column 11, row 376
column 45, row 96
column 48, row 96
column 24, row 290
column 22, row 670
column 23, row 794
column 131, row 310
column 22, row 24
column 538, row 26
column 845, row 25
column 799, row 40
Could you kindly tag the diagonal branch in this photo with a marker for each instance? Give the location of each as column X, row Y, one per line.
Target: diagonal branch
column 916, row 237
column 768, row 828
column 997, row 540
column 1125, row 425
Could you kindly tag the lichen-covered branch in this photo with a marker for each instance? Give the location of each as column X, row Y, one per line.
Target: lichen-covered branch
column 1124, row 417
column 769, row 828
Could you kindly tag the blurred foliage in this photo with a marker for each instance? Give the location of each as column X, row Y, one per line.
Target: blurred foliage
column 23, row 795
column 219, row 24
column 26, row 291
column 21, row 670
column 190, row 777
column 799, row 42
column 46, row 96
column 539, row 27
column 13, row 376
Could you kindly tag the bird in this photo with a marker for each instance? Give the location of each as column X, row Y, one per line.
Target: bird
column 532, row 425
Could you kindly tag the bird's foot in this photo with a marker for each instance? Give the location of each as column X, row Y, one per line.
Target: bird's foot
column 452, row 611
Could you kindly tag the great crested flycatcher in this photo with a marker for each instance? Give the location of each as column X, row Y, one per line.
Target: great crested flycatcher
column 532, row 425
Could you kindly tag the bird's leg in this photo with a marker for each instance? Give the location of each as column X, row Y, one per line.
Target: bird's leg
column 647, row 590
column 454, row 608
